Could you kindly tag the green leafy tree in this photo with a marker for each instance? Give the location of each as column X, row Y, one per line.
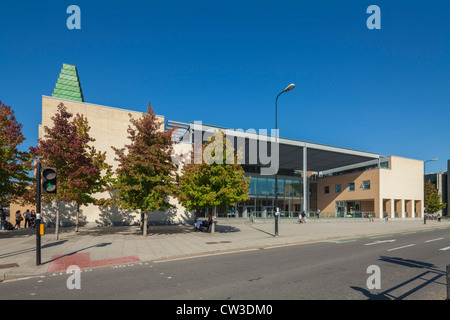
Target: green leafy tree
column 146, row 175
column 433, row 198
column 15, row 165
column 217, row 182
column 81, row 170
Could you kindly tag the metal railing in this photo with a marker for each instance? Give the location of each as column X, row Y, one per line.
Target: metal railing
column 266, row 214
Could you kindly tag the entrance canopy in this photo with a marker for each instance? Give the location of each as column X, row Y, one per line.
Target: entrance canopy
column 293, row 154
column 318, row 157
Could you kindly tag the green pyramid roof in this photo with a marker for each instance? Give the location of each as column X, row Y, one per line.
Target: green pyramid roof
column 68, row 84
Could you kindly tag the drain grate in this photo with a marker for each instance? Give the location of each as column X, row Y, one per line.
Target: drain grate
column 9, row 265
column 218, row 242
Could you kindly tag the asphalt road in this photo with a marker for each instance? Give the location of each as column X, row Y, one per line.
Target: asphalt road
column 410, row 265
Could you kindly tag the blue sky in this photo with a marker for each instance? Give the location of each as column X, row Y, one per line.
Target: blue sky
column 223, row 62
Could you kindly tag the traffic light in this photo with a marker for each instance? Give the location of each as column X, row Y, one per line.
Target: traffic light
column 48, row 180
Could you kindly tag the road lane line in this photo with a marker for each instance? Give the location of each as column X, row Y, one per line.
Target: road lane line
column 446, row 248
column 409, row 245
column 434, row 239
column 380, row 241
column 342, row 241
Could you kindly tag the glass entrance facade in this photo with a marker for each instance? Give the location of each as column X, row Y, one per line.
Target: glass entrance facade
column 262, row 197
column 348, row 209
column 261, row 202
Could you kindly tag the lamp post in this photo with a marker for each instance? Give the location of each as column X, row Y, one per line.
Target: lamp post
column 38, row 213
column 277, row 213
column 424, row 195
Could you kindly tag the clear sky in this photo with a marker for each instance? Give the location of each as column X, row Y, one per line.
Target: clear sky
column 224, row 62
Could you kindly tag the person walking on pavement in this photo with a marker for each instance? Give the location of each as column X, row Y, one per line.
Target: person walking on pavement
column 19, row 218
column 33, row 219
column 3, row 218
column 303, row 216
column 27, row 219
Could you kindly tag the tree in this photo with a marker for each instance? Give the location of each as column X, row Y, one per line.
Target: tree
column 433, row 198
column 146, row 176
column 81, row 170
column 15, row 165
column 218, row 181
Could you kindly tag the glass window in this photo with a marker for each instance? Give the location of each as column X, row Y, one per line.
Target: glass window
column 252, row 185
column 259, row 185
column 337, row 188
column 270, row 189
column 280, row 186
column 288, row 190
column 326, row 189
column 366, row 185
column 297, row 187
column 351, row 186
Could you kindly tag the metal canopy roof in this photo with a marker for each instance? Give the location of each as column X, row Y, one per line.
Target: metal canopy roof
column 319, row 157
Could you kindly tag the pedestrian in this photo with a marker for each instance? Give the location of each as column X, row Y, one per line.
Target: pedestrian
column 19, row 218
column 439, row 218
column 27, row 218
column 210, row 222
column 304, row 216
column 33, row 219
column 3, row 218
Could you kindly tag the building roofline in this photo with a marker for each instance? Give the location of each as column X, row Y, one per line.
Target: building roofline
column 300, row 143
column 99, row 105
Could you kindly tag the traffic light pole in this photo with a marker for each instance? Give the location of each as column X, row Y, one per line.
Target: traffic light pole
column 38, row 214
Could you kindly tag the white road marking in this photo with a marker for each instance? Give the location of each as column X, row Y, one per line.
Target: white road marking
column 446, row 248
column 342, row 241
column 434, row 239
column 380, row 241
column 409, row 245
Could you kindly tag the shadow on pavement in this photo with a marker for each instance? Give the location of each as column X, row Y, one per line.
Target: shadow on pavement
column 31, row 249
column 116, row 230
column 104, row 244
column 431, row 275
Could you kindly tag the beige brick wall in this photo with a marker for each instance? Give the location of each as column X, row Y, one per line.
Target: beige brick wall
column 109, row 128
column 401, row 183
column 108, row 125
column 404, row 180
column 327, row 201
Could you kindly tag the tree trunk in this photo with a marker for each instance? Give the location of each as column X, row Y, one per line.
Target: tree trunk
column 57, row 219
column 213, row 218
column 144, row 232
column 77, row 218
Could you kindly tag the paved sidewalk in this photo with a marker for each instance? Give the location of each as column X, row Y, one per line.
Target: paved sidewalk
column 96, row 247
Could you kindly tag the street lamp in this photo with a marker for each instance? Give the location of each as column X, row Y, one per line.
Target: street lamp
column 277, row 213
column 424, row 196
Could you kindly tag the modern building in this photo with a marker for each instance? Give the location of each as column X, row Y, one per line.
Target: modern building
column 391, row 188
column 338, row 182
column 442, row 184
column 312, row 177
